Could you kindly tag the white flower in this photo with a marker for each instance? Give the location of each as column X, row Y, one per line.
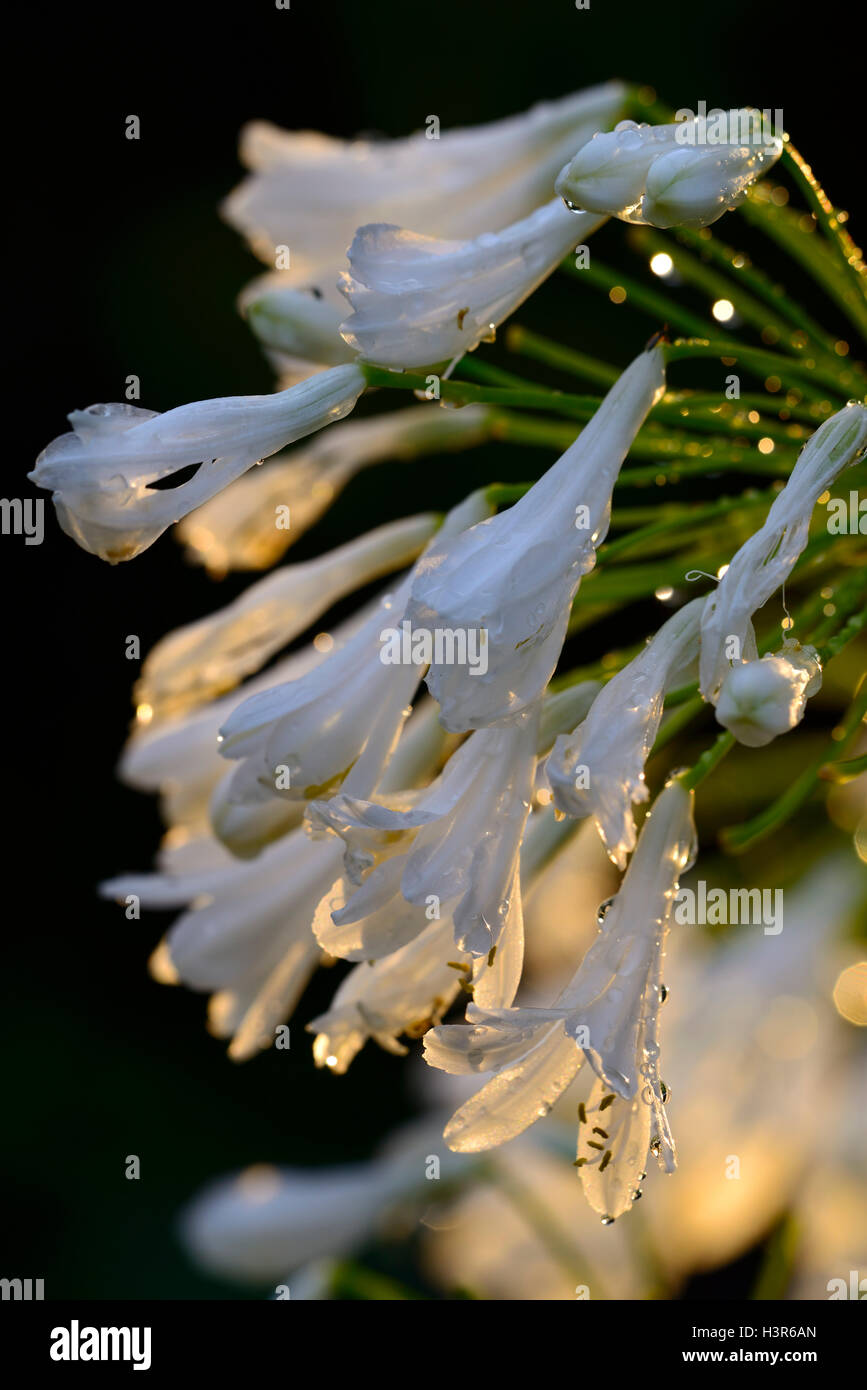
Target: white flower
column 514, row 577
column 198, row 662
column 238, row 528
column 179, row 759
column 104, row 474
column 609, row 1013
column 302, row 328
column 761, row 699
column 309, row 192
column 408, row 973
column 308, row 734
column 684, row 174
column 765, row 561
column 419, row 301
column 598, row 769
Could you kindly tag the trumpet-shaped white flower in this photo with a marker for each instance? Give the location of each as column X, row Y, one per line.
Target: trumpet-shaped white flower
column 202, row 660
column 765, row 561
column 300, row 739
column 608, row 1013
column 598, row 769
column 104, row 474
column 513, row 578
column 309, row 192
column 407, row 990
column 237, row 529
column 419, row 301
column 684, row 174
column 761, row 699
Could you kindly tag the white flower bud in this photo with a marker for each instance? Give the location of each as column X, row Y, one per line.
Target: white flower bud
column 761, row 699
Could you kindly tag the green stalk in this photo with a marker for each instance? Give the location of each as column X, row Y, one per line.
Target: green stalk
column 762, row 363
column 832, row 220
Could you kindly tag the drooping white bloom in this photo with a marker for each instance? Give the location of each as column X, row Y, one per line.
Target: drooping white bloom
column 608, row 1014
column 202, row 660
column 765, row 561
column 104, row 474
column 309, row 192
column 761, row 699
column 598, row 769
column 686, row 174
column 300, row 739
column 238, row 528
column 179, row 759
column 419, row 301
column 270, row 1225
column 405, row 991
column 514, row 577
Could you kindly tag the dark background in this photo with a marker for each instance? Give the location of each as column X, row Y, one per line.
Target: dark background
column 119, row 264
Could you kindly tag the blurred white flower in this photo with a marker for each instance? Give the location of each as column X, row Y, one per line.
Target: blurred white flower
column 765, row 561
column 760, row 699
column 514, row 576
column 237, row 529
column 681, row 174
column 104, row 474
column 598, row 769
column 418, row 301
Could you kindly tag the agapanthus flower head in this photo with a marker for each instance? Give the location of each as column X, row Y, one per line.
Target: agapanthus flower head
column 513, row 578
column 761, row 699
column 765, row 561
column 683, row 174
column 598, row 769
column 419, row 301
column 104, row 474
column 608, row 1013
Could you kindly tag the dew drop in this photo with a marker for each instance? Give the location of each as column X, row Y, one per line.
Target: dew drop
column 602, row 910
column 608, row 1221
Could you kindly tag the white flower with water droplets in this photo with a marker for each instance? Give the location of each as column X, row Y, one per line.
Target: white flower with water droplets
column 104, row 474
column 419, row 301
column 513, row 578
column 608, row 1013
column 765, row 561
column 761, row 699
column 684, row 174
column 598, row 769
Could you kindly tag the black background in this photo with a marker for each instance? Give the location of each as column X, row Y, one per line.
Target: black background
column 119, row 264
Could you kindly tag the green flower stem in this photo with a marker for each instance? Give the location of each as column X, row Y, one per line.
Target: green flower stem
column 831, row 220
column 694, row 515
column 532, row 345
column 659, row 306
column 753, row 311
column 709, row 759
column 761, row 363
column 814, row 254
column 738, row 265
column 844, row 770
